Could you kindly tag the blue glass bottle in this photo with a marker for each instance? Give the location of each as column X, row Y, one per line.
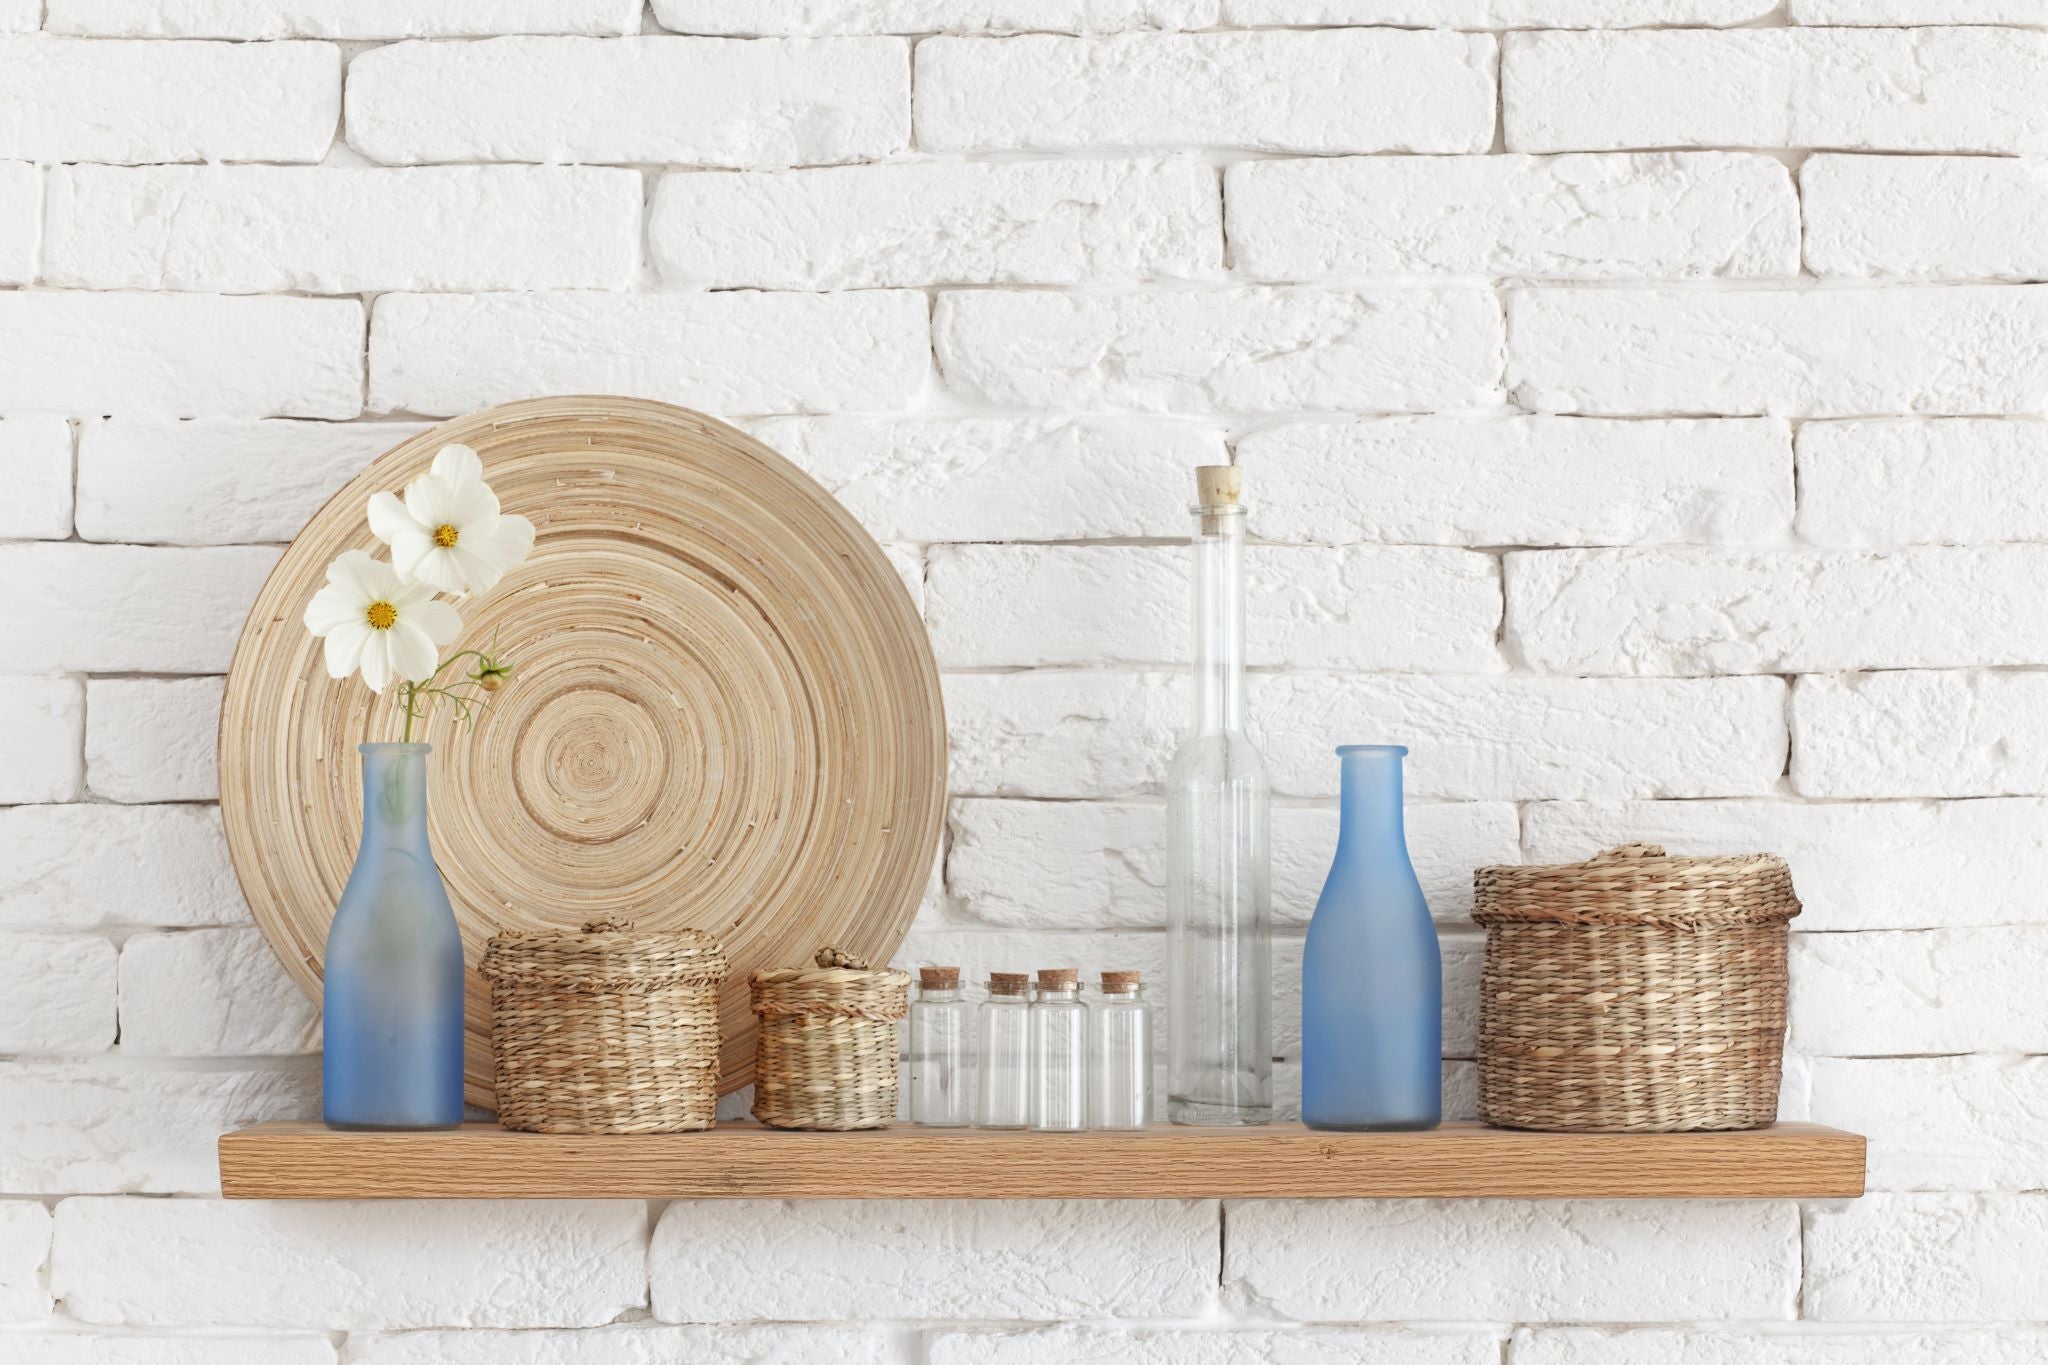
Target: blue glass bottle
column 393, row 972
column 1372, row 978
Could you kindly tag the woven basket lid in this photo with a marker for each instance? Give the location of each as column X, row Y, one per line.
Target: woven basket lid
column 1639, row 884
column 605, row 955
column 841, row 983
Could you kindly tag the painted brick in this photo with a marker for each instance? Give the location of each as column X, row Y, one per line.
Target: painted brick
column 94, row 1348
column 1661, row 215
column 218, row 483
column 372, row 1264
column 211, row 993
column 1876, row 865
column 24, row 1248
column 1247, row 350
column 1062, row 734
column 258, row 229
column 152, row 739
column 1927, row 90
column 1396, row 608
column 1891, row 993
column 938, row 222
column 1458, row 1259
column 1000, row 478
column 1524, row 738
column 1920, row 734
column 1924, row 217
column 44, row 721
column 633, row 1344
column 1701, row 612
column 1080, row 864
column 695, row 101
column 1719, row 1345
column 83, row 867
column 69, row 99
column 112, row 1127
column 1948, row 482
column 1941, row 1123
column 35, row 478
column 1180, row 1346
column 180, row 355
column 724, row 353
column 1903, row 12
column 20, row 16
column 1339, row 90
column 1927, row 1258
column 1520, row 481
column 827, row 17
column 83, row 607
column 56, row 993
column 1828, row 353
column 21, row 221
column 935, row 1258
column 1497, row 13
column 338, row 18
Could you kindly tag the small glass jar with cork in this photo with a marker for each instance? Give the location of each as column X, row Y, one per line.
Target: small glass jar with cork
column 941, row 1055
column 1059, row 1053
column 1120, row 1055
column 1003, row 1053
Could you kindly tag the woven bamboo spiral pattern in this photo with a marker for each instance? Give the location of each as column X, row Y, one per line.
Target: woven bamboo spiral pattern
column 828, row 1043
column 724, row 713
column 1633, row 992
column 606, row 1030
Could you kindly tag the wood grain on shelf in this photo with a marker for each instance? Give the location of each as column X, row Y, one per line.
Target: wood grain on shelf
column 1285, row 1161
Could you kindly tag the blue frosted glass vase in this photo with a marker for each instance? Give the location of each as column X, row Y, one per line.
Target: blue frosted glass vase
column 1372, row 978
column 393, row 972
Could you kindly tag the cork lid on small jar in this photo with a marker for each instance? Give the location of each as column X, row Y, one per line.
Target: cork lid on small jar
column 1058, row 978
column 938, row 978
column 1008, row 983
column 1120, row 983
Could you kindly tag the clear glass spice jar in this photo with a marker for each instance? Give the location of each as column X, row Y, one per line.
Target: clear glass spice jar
column 1059, row 1053
column 1120, row 1055
column 941, row 1057
column 1003, row 1053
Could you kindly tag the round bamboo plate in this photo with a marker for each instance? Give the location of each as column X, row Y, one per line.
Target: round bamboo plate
column 724, row 713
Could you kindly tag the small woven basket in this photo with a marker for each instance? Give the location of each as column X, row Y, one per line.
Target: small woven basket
column 828, row 1049
column 1633, row 992
column 605, row 1031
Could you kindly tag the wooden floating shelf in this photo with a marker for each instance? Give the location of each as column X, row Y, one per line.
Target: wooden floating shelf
column 1284, row 1161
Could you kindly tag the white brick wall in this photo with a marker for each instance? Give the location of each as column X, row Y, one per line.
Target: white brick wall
column 1645, row 410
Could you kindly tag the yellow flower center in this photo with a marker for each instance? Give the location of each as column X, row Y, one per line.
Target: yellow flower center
column 381, row 615
column 445, row 536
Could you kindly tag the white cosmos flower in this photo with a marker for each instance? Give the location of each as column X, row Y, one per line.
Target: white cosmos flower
column 448, row 532
column 374, row 620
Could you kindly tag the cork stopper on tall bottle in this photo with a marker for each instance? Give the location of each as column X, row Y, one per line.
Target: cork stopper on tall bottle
column 1219, row 490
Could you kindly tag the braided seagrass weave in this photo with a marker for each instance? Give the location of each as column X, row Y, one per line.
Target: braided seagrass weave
column 605, row 1031
column 1633, row 992
column 828, row 1052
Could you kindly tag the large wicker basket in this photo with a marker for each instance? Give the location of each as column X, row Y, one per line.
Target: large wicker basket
column 607, row 1030
column 1633, row 992
column 828, row 1049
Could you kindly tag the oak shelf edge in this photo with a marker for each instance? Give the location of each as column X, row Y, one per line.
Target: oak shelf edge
column 305, row 1160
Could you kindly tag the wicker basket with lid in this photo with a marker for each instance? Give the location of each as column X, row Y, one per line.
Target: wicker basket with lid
column 605, row 1030
column 1633, row 992
column 828, row 1052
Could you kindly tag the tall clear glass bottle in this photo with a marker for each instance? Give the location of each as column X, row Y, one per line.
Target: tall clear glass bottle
column 1120, row 1055
column 1220, row 978
column 393, row 984
column 1003, row 1053
column 941, row 1095
column 1059, row 1053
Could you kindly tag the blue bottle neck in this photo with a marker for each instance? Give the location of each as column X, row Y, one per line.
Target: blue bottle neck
column 395, row 797
column 1370, row 820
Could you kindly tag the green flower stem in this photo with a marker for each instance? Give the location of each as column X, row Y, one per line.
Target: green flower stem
column 410, row 693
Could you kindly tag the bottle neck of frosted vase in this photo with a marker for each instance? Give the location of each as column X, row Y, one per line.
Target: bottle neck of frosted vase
column 395, row 797
column 1370, row 821
column 1219, row 619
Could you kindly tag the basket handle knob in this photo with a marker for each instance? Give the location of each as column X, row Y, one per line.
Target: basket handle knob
column 607, row 926
column 838, row 957
column 1621, row 853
